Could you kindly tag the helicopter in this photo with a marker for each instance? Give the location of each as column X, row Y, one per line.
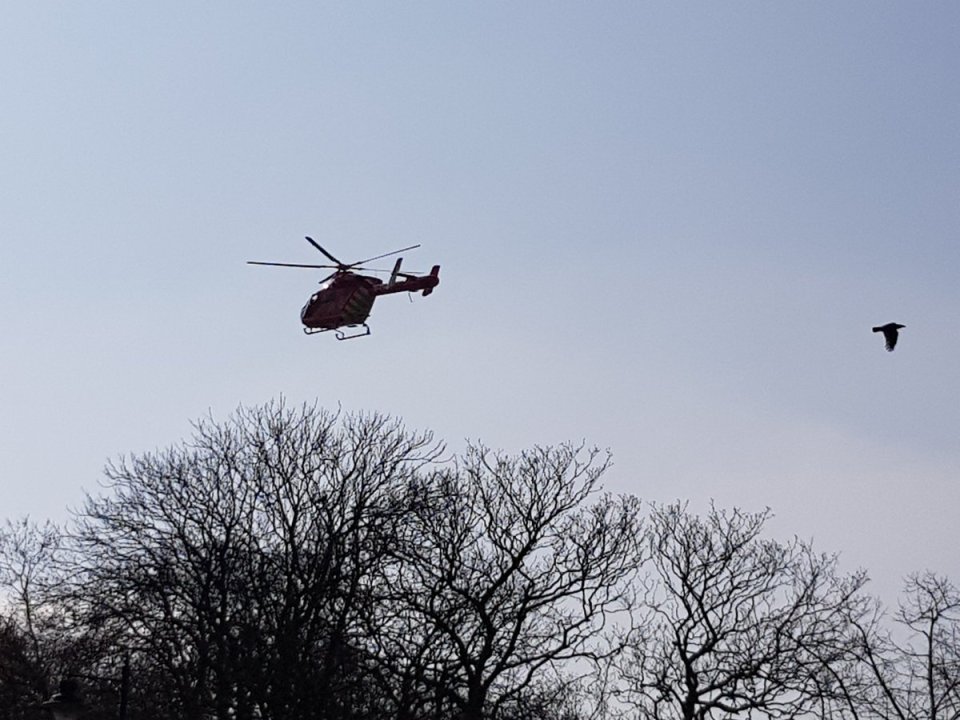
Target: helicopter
column 345, row 298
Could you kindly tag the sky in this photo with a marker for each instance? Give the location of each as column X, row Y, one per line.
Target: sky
column 664, row 228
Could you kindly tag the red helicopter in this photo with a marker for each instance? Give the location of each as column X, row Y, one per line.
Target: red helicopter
column 346, row 298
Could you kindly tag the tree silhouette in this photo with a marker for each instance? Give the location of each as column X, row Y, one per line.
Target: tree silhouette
column 506, row 574
column 298, row 564
column 736, row 624
column 31, row 628
column 240, row 562
column 911, row 671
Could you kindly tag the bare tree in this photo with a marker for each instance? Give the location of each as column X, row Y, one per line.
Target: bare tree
column 910, row 671
column 237, row 565
column 507, row 576
column 736, row 624
column 31, row 627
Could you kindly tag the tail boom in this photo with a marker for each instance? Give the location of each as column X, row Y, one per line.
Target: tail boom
column 410, row 283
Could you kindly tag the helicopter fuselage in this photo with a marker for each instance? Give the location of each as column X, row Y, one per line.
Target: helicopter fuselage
column 347, row 298
column 344, row 300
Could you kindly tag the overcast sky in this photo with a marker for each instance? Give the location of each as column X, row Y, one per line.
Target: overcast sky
column 664, row 228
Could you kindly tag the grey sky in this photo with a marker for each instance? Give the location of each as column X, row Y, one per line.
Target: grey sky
column 666, row 228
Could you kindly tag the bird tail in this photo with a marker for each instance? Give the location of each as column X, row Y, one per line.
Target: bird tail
column 878, row 329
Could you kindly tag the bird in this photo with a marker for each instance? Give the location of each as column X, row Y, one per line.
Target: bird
column 889, row 331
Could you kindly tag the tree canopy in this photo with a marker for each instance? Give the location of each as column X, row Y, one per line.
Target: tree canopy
column 297, row 563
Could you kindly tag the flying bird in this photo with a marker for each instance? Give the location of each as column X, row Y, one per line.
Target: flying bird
column 890, row 331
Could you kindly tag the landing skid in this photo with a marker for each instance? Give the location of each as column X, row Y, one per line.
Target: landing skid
column 341, row 335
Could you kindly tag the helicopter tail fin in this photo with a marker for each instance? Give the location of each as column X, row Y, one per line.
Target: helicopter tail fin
column 396, row 271
column 434, row 273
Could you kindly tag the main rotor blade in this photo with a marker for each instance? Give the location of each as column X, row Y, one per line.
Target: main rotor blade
column 317, row 246
column 354, row 269
column 394, row 252
column 276, row 264
column 338, row 268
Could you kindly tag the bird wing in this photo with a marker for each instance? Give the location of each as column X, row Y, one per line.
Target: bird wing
column 890, row 335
